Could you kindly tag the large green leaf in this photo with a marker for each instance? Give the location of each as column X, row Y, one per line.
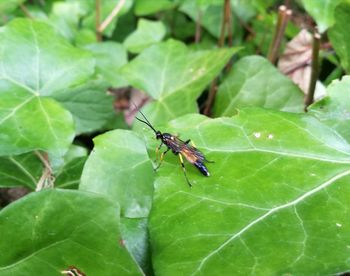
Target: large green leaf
column 275, row 203
column 89, row 103
column 334, row 109
column 49, row 231
column 322, row 11
column 147, row 33
column 35, row 63
column 119, row 168
column 339, row 35
column 254, row 81
column 174, row 76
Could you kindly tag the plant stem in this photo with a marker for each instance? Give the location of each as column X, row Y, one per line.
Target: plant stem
column 46, row 180
column 26, row 11
column 314, row 70
column 225, row 25
column 283, row 17
column 98, row 19
column 110, row 17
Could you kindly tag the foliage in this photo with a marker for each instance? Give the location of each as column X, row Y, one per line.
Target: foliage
column 276, row 200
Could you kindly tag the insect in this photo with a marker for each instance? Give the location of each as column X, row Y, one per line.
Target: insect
column 180, row 148
column 73, row 271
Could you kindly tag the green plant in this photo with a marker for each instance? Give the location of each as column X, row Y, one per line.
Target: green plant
column 276, row 202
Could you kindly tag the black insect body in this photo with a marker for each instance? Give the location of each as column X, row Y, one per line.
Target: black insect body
column 180, row 148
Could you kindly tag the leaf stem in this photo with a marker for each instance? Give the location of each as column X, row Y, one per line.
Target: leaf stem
column 98, row 19
column 284, row 15
column 26, row 11
column 197, row 37
column 46, row 180
column 110, row 17
column 314, row 70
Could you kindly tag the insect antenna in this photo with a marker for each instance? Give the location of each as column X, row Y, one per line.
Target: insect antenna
column 145, row 122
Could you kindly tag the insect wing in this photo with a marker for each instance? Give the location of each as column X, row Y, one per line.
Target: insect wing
column 192, row 154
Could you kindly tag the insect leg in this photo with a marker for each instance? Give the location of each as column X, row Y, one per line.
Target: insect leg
column 187, row 141
column 184, row 170
column 161, row 158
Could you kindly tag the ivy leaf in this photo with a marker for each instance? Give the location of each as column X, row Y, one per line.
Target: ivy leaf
column 146, row 7
column 334, row 109
column 110, row 57
column 20, row 170
column 36, row 63
column 45, row 230
column 322, row 11
column 119, row 168
column 147, row 33
column 174, row 76
column 276, row 200
column 89, row 104
column 339, row 35
column 254, row 81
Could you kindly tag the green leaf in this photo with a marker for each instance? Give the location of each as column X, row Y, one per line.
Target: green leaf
column 334, row 109
column 254, row 81
column 322, row 11
column 275, row 203
column 36, row 63
column 89, row 104
column 68, row 176
column 49, row 231
column 136, row 239
column 119, row 168
column 174, row 76
column 9, row 6
column 147, row 33
column 339, row 35
column 146, row 7
column 20, row 170
column 30, row 122
column 110, row 57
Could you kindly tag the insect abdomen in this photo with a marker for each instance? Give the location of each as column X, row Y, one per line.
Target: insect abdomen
column 202, row 168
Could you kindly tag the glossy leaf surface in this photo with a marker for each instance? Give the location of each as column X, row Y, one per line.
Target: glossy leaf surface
column 174, row 77
column 52, row 226
column 253, row 81
column 48, row 64
column 119, row 168
column 276, row 200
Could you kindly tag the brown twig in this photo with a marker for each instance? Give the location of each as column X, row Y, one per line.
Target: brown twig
column 110, row 17
column 98, row 19
column 283, row 17
column 225, row 26
column 25, row 11
column 309, row 99
column 197, row 37
column 46, row 180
